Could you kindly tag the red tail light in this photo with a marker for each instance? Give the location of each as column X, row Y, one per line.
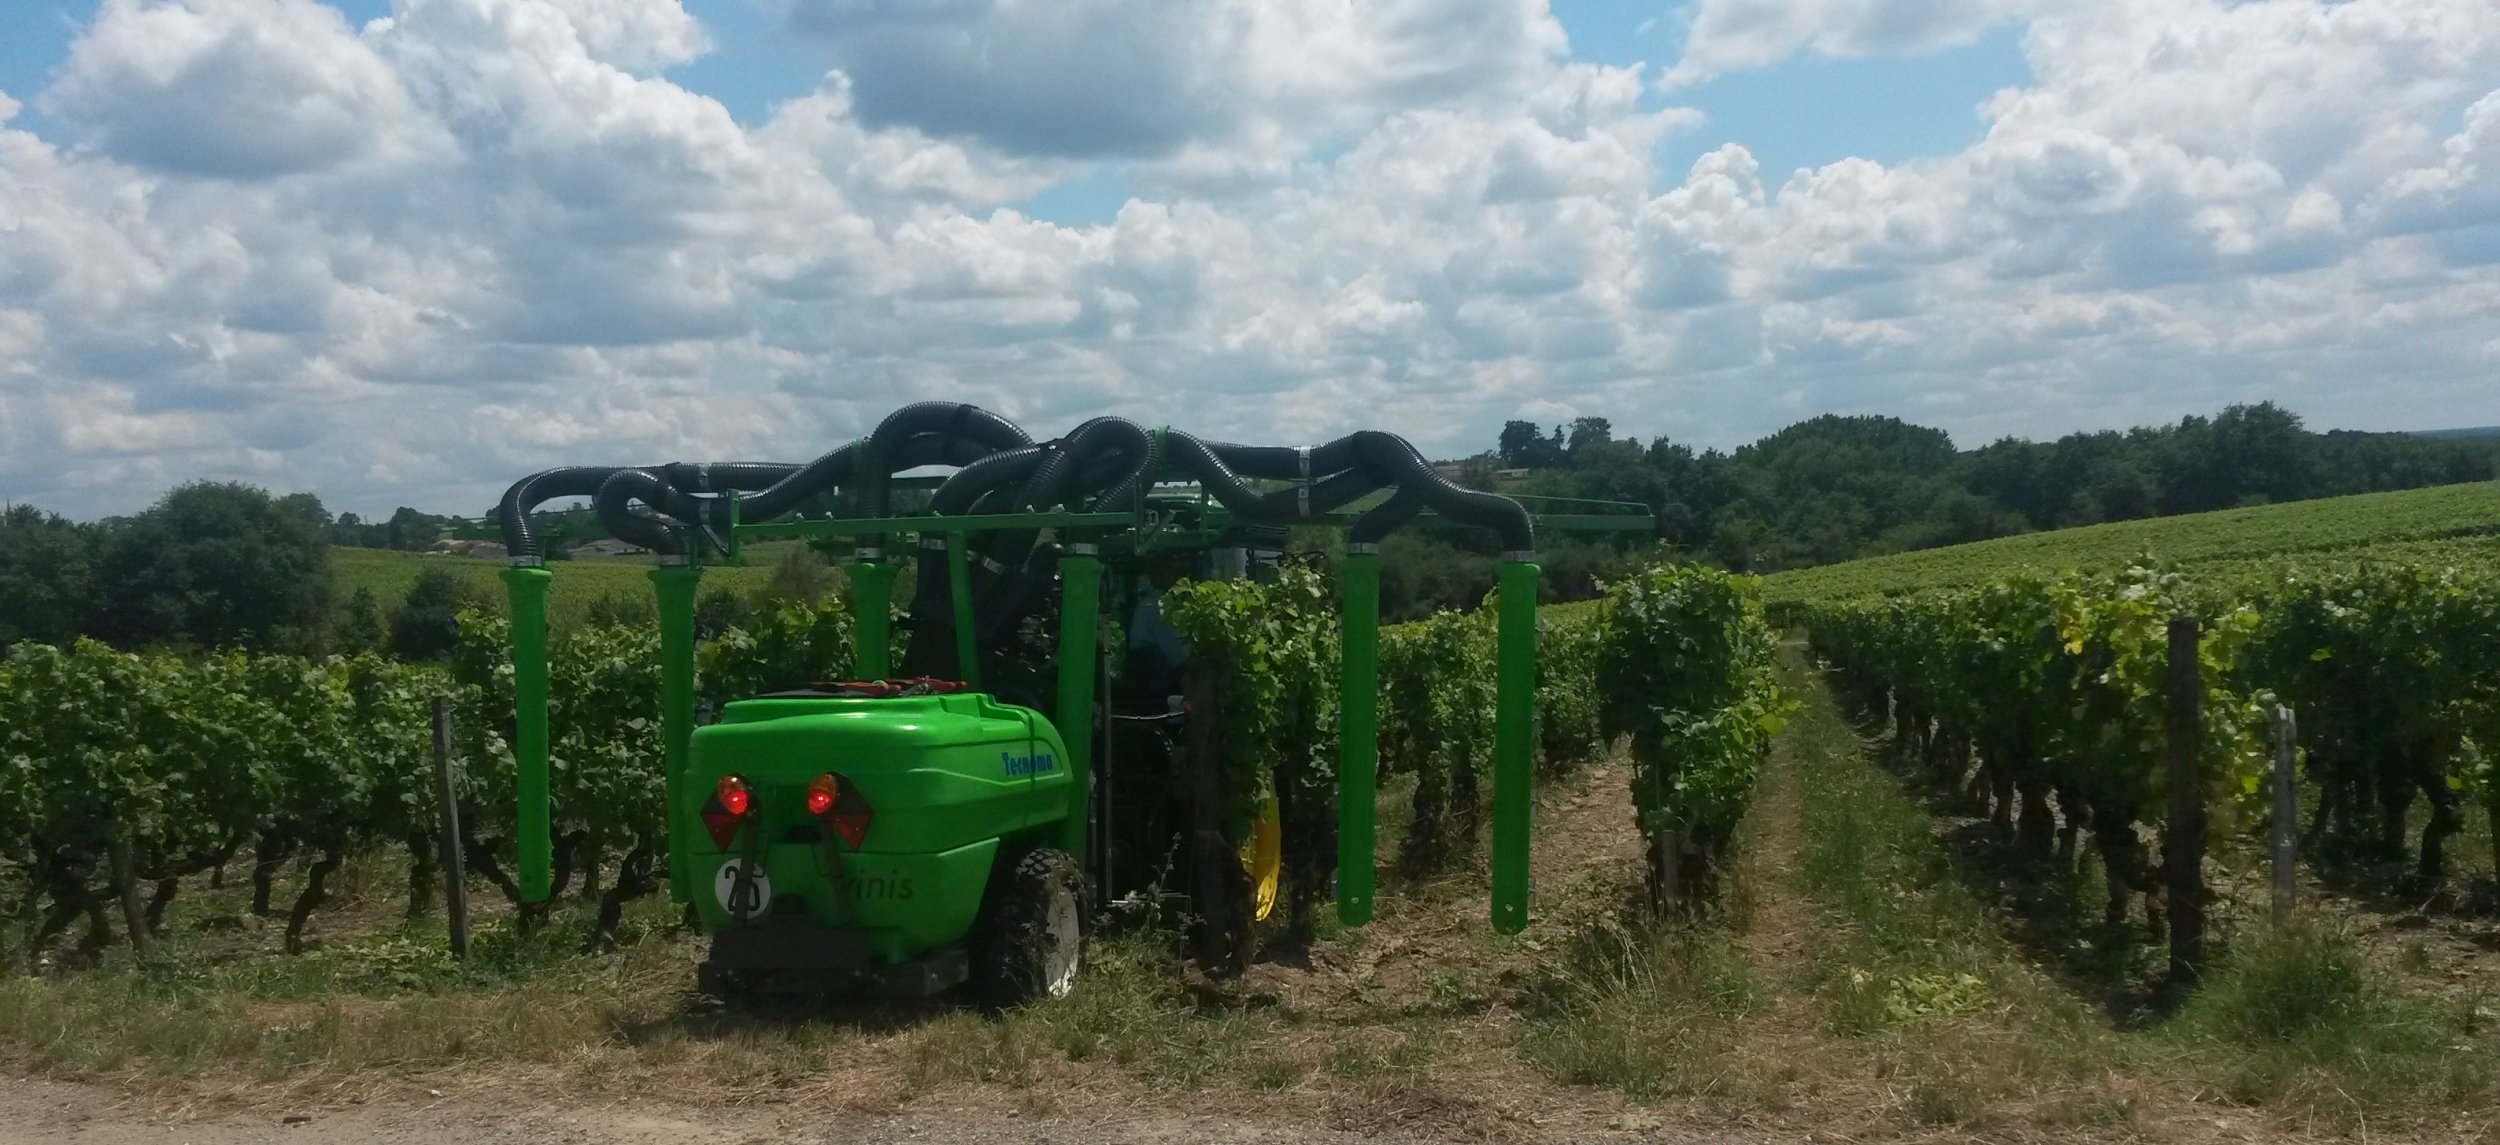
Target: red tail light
column 733, row 795
column 839, row 803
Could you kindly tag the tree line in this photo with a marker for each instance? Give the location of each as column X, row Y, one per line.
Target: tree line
column 217, row 565
column 1835, row 488
column 222, row 565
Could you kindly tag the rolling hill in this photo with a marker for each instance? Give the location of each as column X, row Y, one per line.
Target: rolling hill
column 2453, row 521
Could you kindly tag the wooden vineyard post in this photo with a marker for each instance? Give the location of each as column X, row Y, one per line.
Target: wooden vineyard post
column 126, row 881
column 1670, row 859
column 1224, row 928
column 2183, row 836
column 2286, row 815
column 447, row 832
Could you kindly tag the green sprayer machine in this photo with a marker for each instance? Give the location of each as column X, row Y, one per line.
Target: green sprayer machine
column 958, row 812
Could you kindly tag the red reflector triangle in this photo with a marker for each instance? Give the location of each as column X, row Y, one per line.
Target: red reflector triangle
column 852, row 826
column 722, row 825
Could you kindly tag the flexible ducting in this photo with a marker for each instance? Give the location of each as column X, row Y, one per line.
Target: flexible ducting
column 1285, row 462
column 1384, row 518
column 1140, row 475
column 958, row 493
column 520, row 538
column 1105, row 463
column 614, row 504
column 950, row 419
column 727, row 476
column 794, row 488
column 1395, row 461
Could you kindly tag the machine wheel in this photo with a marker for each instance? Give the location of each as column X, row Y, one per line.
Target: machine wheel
column 728, row 987
column 1031, row 934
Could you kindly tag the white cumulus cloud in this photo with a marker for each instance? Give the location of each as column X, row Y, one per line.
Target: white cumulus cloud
column 240, row 88
column 407, row 262
column 1153, row 78
column 1732, row 35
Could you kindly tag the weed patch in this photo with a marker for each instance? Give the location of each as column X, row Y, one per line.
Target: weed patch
column 2299, row 1019
column 1649, row 1010
column 1912, row 967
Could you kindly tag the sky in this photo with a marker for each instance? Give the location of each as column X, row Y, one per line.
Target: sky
column 405, row 251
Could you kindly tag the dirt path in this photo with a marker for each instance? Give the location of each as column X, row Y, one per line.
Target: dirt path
column 48, row 1112
column 1431, row 939
column 1777, row 933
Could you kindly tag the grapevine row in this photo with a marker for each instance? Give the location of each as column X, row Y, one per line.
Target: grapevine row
column 2046, row 696
column 120, row 771
column 1679, row 659
column 121, row 774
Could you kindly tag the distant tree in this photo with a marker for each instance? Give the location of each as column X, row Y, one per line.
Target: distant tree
column 2014, row 473
column 2243, row 456
column 48, row 576
column 1422, row 573
column 1478, row 472
column 2091, row 477
column 1586, row 432
column 2264, row 454
column 1519, row 442
column 2350, row 462
column 426, row 625
column 1524, row 446
column 2119, row 488
column 305, row 509
column 1604, row 471
column 1824, row 489
column 411, row 531
column 350, row 531
column 717, row 610
column 1580, row 568
column 407, row 530
column 359, row 627
column 802, row 575
column 219, row 564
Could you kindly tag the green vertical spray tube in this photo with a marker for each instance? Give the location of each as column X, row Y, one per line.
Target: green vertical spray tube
column 872, row 615
column 1080, row 597
column 1358, row 730
column 1514, row 716
column 526, row 586
column 959, row 581
column 674, row 586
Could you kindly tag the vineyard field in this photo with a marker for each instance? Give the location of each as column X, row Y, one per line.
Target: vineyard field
column 1679, row 749
column 389, row 573
column 2027, row 686
column 2449, row 524
column 277, row 755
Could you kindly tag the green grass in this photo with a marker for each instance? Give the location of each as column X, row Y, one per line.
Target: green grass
column 389, row 999
column 2450, row 522
column 1651, row 1010
column 1132, row 1013
column 377, row 994
column 1912, row 965
column 2301, row 1020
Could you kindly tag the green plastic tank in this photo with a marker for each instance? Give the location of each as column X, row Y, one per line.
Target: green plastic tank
column 828, row 835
